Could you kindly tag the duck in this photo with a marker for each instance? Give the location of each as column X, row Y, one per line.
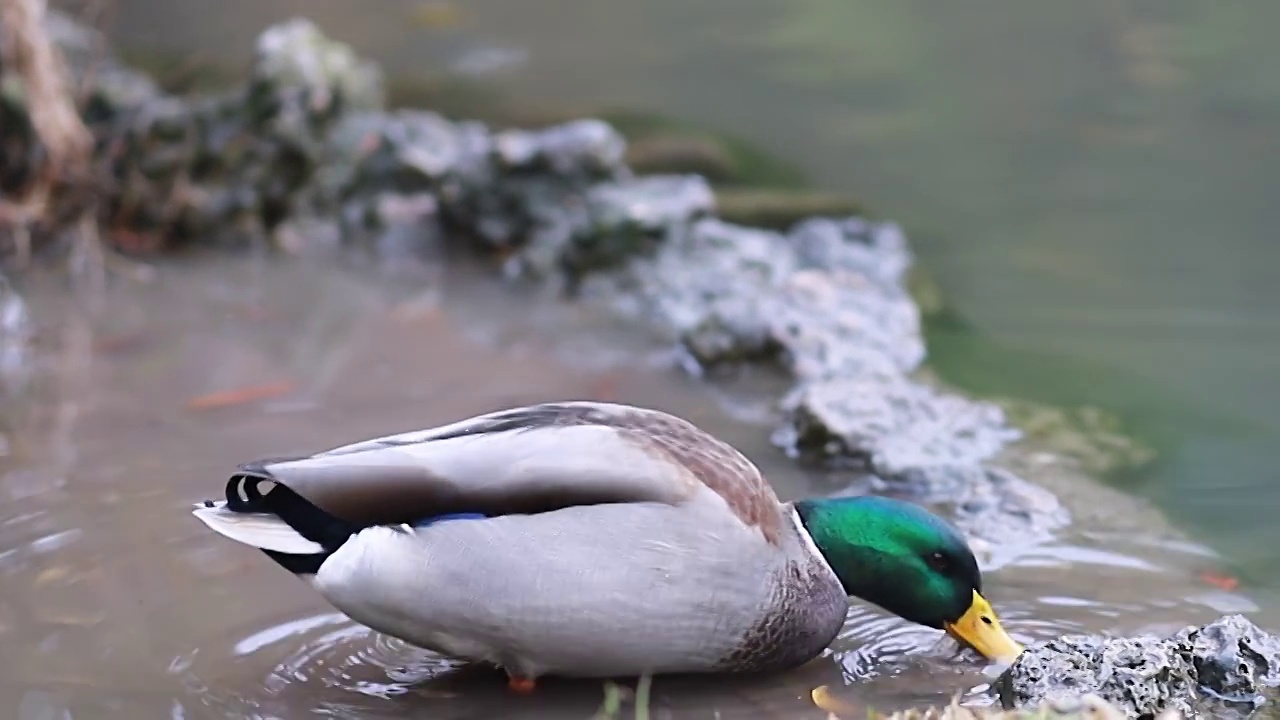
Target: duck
column 590, row 539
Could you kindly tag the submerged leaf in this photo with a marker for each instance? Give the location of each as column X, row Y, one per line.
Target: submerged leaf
column 825, row 700
column 240, row 396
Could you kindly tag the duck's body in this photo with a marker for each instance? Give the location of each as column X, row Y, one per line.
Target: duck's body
column 576, row 539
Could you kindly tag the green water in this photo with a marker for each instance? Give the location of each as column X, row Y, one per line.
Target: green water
column 1092, row 182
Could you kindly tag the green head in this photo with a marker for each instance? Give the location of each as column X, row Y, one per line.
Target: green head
column 910, row 562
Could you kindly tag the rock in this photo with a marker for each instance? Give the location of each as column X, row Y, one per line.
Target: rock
column 1084, row 707
column 877, row 250
column 629, row 218
column 296, row 63
column 1228, row 668
column 924, row 444
column 891, row 423
column 591, row 149
column 837, row 323
column 988, row 504
column 823, row 300
column 708, row 287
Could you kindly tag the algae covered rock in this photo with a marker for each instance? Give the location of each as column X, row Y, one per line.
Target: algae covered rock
column 1228, row 668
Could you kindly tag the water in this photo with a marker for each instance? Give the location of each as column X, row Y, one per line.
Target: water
column 115, row 602
column 1089, row 181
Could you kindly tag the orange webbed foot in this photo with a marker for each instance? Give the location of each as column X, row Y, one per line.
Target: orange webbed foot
column 521, row 685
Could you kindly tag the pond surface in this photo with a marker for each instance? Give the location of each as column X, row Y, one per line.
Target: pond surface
column 115, row 602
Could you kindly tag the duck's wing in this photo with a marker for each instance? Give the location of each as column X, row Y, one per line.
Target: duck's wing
column 523, row 460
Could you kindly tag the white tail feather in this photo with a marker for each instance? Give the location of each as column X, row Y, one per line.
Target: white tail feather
column 266, row 532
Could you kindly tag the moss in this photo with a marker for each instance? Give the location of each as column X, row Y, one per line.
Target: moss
column 1092, row 436
column 679, row 154
column 926, row 291
column 779, row 209
column 752, row 166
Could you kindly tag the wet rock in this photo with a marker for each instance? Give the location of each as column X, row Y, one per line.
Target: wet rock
column 629, row 218
column 1228, row 668
column 300, row 71
column 710, row 286
column 891, row 423
column 877, row 250
column 823, row 300
column 589, row 148
column 1084, row 707
column 989, row 504
column 922, row 443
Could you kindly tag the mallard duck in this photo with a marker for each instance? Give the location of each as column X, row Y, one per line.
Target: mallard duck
column 596, row 540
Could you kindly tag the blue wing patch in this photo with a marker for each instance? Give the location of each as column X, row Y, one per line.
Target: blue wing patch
column 446, row 518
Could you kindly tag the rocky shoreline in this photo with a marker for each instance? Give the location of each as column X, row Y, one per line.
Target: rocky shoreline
column 303, row 158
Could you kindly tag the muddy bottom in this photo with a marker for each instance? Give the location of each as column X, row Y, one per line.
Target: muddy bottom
column 116, row 603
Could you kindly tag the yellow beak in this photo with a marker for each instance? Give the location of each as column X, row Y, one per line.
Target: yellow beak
column 980, row 629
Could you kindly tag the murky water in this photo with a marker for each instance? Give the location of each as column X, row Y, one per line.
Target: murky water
column 115, row 602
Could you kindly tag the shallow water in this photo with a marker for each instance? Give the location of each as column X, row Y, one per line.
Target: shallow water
column 115, row 602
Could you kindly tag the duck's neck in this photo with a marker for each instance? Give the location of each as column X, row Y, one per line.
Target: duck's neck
column 848, row 533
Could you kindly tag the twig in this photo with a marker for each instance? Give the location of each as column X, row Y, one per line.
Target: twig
column 64, row 182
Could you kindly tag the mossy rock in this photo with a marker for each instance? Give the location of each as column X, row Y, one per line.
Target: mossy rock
column 779, row 209
column 1093, row 437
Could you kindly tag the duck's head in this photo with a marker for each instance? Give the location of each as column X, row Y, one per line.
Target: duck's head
column 910, row 562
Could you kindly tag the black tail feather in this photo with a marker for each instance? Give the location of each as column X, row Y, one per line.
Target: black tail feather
column 330, row 532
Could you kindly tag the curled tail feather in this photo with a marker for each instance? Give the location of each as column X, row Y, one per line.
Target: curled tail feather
column 280, row 522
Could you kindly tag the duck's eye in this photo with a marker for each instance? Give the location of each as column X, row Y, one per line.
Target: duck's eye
column 938, row 561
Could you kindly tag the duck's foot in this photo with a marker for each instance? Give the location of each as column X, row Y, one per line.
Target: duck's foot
column 521, row 685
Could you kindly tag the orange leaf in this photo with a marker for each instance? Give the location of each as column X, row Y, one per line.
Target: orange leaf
column 1223, row 582
column 239, row 396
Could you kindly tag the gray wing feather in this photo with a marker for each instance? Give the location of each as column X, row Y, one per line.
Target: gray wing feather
column 525, row 460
